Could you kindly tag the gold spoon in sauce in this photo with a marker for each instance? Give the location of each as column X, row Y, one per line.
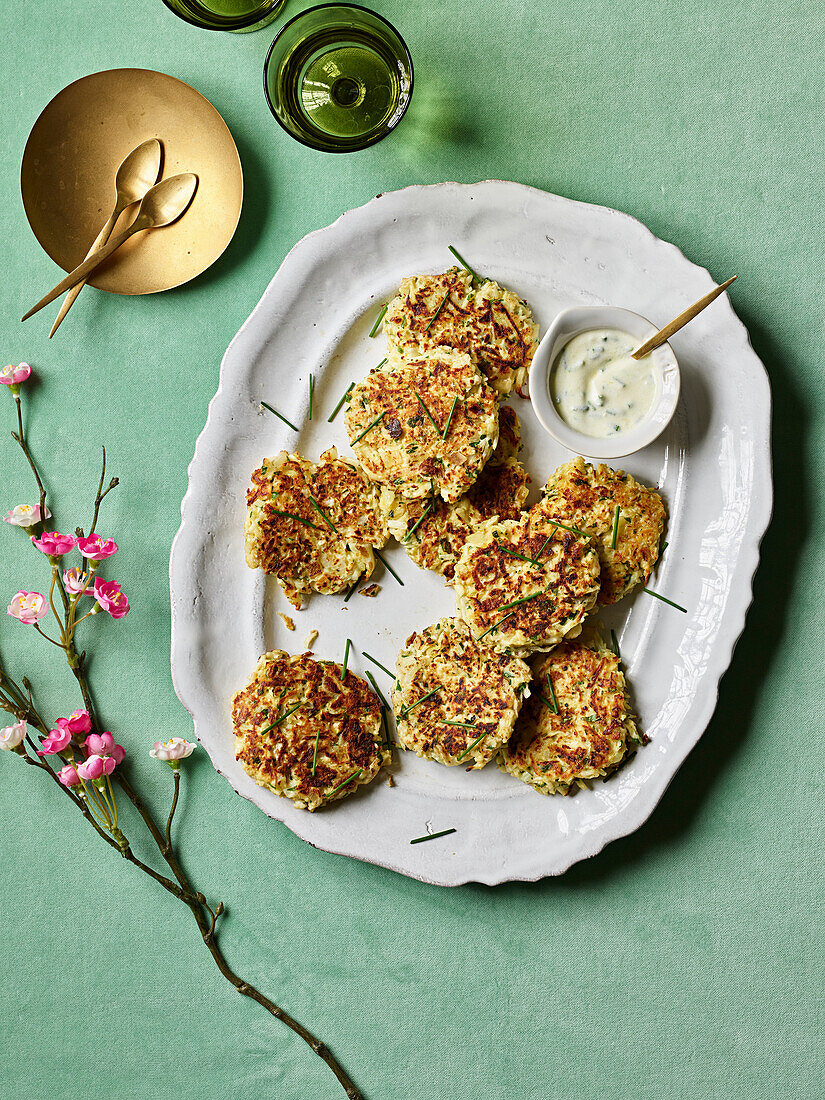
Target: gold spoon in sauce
column 664, row 334
column 161, row 205
column 139, row 170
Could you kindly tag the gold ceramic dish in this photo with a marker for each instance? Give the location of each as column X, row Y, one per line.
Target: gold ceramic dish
column 69, row 165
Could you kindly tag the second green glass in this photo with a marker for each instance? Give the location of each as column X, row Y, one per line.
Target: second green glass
column 338, row 77
column 226, row 15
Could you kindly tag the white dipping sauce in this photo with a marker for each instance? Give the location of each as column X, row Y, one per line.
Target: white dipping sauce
column 597, row 388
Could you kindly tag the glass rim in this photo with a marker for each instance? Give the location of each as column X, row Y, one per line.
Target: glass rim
column 353, row 7
column 234, row 23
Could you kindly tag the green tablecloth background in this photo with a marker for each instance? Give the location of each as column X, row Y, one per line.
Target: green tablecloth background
column 683, row 962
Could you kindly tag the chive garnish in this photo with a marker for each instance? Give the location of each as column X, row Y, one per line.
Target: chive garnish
column 368, row 428
column 440, row 307
column 378, row 663
column 337, row 408
column 522, row 599
column 300, row 519
column 283, row 718
column 351, row 590
column 315, row 751
column 615, row 641
column 509, row 615
column 345, row 781
column 432, row 836
column 513, row 554
column 463, row 262
column 347, row 648
column 449, row 419
column 418, row 522
column 377, row 324
column 311, row 392
column 616, row 515
column 265, row 405
column 427, row 411
column 664, row 599
column 552, row 694
column 575, row 530
column 471, row 746
column 462, row 725
column 323, row 514
column 544, row 544
column 378, row 691
column 406, row 710
column 381, row 364
column 387, row 565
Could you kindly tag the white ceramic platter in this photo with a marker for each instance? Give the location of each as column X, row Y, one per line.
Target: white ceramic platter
column 712, row 463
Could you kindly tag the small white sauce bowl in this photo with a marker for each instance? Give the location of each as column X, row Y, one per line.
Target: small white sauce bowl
column 571, row 322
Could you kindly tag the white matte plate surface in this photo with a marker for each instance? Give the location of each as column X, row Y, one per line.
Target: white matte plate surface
column 712, row 463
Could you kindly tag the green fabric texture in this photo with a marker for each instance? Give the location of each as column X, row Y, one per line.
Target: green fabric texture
column 683, row 962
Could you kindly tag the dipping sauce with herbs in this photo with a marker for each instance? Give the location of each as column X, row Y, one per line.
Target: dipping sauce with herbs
column 597, row 388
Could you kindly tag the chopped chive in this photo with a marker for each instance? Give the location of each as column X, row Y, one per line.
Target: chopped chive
column 345, row 781
column 377, row 325
column 440, row 307
column 523, row 599
column 387, row 565
column 419, row 521
column 275, row 412
column 513, row 554
column 311, row 392
column 664, row 599
column 662, row 552
column 378, row 691
column 337, row 408
column 615, row 641
column 616, row 515
column 463, row 262
column 381, row 364
column 378, row 663
column 575, row 530
column 300, row 519
column 544, row 544
column 432, row 836
column 406, row 710
column 470, row 747
column 347, row 648
column 427, row 411
column 315, row 751
column 449, row 419
column 368, row 428
column 463, row 725
column 495, row 625
column 552, row 694
column 352, row 589
column 283, row 718
column 322, row 513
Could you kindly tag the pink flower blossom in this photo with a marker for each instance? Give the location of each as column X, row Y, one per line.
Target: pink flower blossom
column 68, row 776
column 13, row 376
column 110, row 598
column 95, row 767
column 78, row 722
column 12, row 736
column 104, row 745
column 57, row 740
column 28, row 607
column 54, row 544
column 25, row 515
column 74, row 581
column 95, row 548
column 173, row 750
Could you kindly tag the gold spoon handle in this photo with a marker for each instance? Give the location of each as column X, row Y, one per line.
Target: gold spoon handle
column 664, row 334
column 99, row 241
column 84, row 270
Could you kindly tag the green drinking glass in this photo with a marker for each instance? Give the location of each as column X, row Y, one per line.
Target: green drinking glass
column 226, row 15
column 338, row 77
